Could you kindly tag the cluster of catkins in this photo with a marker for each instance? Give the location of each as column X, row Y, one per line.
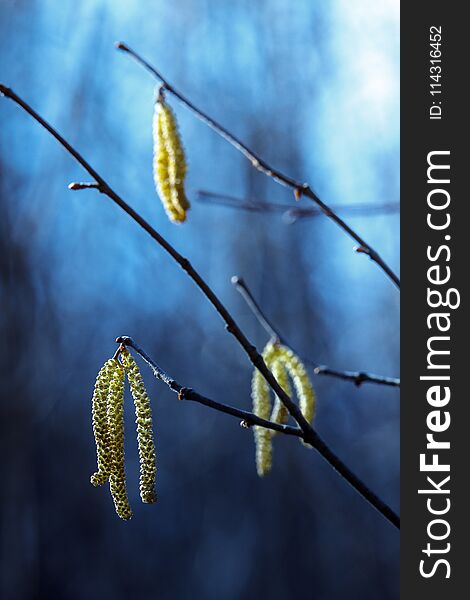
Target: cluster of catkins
column 284, row 365
column 169, row 163
column 108, row 428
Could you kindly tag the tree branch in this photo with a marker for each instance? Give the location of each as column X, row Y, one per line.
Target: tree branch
column 251, row 419
column 357, row 377
column 185, row 393
column 290, row 214
column 300, row 189
column 309, row 435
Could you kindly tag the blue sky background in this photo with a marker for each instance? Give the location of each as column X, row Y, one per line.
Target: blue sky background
column 312, row 87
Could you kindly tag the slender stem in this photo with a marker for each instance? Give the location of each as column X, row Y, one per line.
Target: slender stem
column 357, row 377
column 292, row 214
column 185, row 393
column 246, row 204
column 255, row 308
column 301, row 189
column 251, row 419
column 309, row 435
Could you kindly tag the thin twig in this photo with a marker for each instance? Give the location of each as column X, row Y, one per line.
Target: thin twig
column 185, row 393
column 251, row 419
column 309, row 435
column 245, row 204
column 300, row 189
column 289, row 214
column 356, row 377
column 87, row 185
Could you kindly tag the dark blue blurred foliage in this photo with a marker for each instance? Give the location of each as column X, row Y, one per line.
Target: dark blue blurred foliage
column 313, row 87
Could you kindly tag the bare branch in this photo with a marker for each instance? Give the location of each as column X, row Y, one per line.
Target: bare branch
column 356, row 377
column 255, row 308
column 185, row 393
column 300, row 189
column 251, row 419
column 309, row 435
column 290, row 214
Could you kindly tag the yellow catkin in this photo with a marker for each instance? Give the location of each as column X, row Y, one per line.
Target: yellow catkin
column 115, row 414
column 169, row 162
column 143, row 413
column 262, row 408
column 302, row 384
column 284, row 365
column 100, row 425
column 280, row 414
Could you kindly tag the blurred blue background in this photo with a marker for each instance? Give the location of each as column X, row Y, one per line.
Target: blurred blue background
column 313, row 87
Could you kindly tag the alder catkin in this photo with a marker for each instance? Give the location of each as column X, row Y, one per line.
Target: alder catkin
column 261, row 408
column 115, row 414
column 260, row 395
column 283, row 364
column 169, row 162
column 100, row 425
column 280, row 414
column 302, row 384
column 143, row 413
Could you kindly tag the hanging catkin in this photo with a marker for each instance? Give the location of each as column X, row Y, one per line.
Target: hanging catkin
column 283, row 364
column 303, row 387
column 169, row 162
column 117, row 479
column 143, row 414
column 100, row 425
column 262, row 408
column 280, row 414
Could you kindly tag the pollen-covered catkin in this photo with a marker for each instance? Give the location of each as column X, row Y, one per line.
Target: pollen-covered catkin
column 115, row 413
column 100, row 425
column 280, row 414
column 303, row 387
column 302, row 384
column 262, row 408
column 143, row 413
column 169, row 162
column 284, row 365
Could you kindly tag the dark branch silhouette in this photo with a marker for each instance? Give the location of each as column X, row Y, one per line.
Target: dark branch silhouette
column 251, row 419
column 309, row 434
column 292, row 214
column 300, row 189
column 248, row 418
column 357, row 377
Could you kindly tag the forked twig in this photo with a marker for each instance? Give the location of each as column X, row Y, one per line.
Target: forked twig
column 356, row 377
column 292, row 214
column 300, row 189
column 185, row 393
column 249, row 419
